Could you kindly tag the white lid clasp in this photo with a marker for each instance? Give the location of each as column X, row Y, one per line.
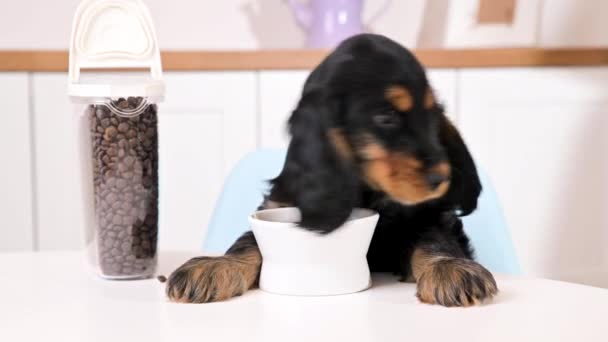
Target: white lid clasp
column 114, row 34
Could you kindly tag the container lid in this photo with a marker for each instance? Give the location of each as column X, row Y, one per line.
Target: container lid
column 109, row 35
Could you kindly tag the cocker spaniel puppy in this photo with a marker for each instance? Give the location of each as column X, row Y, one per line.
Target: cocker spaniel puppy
column 368, row 132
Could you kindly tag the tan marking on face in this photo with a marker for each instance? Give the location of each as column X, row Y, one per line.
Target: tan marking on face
column 399, row 97
column 369, row 148
column 442, row 168
column 373, row 151
column 342, row 146
column 429, row 99
column 402, row 178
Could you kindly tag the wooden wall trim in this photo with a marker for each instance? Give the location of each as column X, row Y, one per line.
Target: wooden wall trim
column 306, row 59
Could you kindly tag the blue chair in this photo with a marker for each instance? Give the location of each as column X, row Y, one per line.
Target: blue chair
column 244, row 188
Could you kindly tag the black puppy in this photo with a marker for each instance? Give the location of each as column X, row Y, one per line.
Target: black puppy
column 368, row 132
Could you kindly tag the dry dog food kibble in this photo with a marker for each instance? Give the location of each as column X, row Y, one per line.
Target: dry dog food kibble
column 125, row 171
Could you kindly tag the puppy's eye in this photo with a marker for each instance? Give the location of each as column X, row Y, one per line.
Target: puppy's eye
column 388, row 119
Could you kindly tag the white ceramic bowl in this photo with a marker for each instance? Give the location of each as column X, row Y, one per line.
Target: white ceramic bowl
column 300, row 262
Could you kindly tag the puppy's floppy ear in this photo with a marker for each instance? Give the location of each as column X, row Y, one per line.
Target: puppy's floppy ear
column 318, row 173
column 465, row 185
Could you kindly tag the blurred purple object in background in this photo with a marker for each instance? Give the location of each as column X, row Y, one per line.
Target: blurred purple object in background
column 328, row 22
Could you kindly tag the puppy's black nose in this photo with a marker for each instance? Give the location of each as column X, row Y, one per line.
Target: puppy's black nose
column 435, row 179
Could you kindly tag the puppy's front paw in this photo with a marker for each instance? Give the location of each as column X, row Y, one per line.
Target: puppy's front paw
column 455, row 282
column 206, row 279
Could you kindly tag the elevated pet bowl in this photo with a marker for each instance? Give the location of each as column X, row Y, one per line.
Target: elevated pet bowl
column 305, row 263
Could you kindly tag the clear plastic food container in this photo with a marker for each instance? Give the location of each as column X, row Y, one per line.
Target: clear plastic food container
column 117, row 115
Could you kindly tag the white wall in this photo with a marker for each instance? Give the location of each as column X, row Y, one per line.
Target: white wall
column 574, row 23
column 195, row 24
column 253, row 24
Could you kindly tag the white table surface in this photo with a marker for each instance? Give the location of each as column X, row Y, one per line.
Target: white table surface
column 50, row 296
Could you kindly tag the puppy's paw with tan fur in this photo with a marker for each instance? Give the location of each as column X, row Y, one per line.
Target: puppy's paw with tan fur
column 455, row 282
column 208, row 279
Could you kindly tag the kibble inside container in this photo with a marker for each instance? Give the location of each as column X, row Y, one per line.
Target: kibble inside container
column 124, row 150
column 117, row 118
